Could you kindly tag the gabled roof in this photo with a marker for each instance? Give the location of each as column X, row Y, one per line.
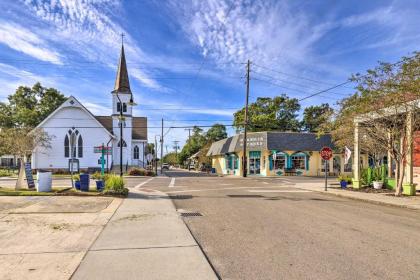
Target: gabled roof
column 295, row 141
column 73, row 102
column 122, row 83
column 279, row 141
column 139, row 128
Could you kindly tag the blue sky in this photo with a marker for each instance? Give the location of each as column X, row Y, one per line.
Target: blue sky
column 186, row 58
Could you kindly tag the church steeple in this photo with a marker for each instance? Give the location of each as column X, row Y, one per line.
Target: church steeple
column 122, row 84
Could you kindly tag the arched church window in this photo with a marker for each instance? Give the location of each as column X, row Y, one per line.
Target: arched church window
column 80, row 147
column 66, row 146
column 124, row 107
column 124, row 144
column 136, row 152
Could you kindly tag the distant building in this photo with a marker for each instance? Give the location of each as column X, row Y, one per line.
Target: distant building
column 278, row 154
column 76, row 132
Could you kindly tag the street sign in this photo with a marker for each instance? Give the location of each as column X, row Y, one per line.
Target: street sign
column 99, row 149
column 149, row 157
column 326, row 153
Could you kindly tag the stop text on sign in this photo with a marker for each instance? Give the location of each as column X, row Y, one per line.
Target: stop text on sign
column 326, row 153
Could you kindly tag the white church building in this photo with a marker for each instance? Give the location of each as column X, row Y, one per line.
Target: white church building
column 75, row 132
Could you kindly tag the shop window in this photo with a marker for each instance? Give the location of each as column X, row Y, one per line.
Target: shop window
column 280, row 162
column 298, row 161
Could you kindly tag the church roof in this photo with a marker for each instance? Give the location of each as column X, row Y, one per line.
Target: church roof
column 122, row 84
column 139, row 129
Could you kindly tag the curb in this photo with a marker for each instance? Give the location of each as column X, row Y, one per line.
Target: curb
column 366, row 200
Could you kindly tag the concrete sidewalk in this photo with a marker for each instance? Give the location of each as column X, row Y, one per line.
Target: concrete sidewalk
column 145, row 239
column 411, row 202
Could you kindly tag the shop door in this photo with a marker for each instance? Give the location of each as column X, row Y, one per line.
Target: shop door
column 254, row 166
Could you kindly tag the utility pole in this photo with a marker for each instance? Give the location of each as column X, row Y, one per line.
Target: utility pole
column 244, row 157
column 161, row 150
column 189, row 137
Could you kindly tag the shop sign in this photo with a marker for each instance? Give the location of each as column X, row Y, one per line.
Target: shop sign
column 253, row 142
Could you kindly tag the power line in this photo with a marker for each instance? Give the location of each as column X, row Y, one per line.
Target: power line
column 284, row 81
column 347, row 82
column 295, row 76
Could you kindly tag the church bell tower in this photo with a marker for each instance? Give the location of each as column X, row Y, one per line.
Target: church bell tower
column 122, row 113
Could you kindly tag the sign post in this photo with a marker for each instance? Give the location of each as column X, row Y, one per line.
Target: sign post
column 103, row 151
column 326, row 154
column 103, row 161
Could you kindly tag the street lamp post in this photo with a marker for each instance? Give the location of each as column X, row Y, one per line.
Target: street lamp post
column 121, row 119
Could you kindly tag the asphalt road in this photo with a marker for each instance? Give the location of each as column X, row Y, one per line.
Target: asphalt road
column 261, row 228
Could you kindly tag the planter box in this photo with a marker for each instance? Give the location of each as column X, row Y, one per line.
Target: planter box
column 378, row 185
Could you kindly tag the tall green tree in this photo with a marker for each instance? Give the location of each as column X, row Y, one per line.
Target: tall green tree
column 315, row 116
column 384, row 103
column 277, row 113
column 216, row 132
column 193, row 145
column 170, row 158
column 27, row 107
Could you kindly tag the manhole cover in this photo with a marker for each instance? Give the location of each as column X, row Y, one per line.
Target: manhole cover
column 191, row 214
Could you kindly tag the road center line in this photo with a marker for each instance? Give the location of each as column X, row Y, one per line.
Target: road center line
column 144, row 183
column 172, row 183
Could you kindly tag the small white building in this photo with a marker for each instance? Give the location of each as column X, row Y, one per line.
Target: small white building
column 75, row 132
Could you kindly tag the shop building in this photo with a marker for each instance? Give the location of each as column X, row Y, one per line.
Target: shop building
column 278, row 154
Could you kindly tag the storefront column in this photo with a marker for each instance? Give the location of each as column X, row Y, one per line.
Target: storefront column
column 389, row 163
column 356, row 157
column 408, row 187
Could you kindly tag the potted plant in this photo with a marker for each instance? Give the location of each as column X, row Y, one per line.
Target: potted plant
column 76, row 178
column 99, row 179
column 343, row 181
column 377, row 179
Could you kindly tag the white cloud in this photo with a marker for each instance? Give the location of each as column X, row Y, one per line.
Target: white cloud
column 23, row 40
column 88, row 28
column 266, row 33
column 11, row 78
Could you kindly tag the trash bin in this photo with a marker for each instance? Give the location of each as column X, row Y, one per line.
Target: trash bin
column 44, row 183
column 100, row 185
column 84, row 182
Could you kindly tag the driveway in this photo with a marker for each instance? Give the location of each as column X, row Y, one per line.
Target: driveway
column 47, row 237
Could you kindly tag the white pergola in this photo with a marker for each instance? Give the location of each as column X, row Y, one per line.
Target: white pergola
column 408, row 186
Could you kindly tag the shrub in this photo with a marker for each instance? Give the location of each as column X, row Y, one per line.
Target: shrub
column 114, row 185
column 150, row 173
column 4, row 173
column 137, row 172
column 97, row 176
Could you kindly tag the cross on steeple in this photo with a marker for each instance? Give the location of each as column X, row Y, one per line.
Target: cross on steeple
column 122, row 83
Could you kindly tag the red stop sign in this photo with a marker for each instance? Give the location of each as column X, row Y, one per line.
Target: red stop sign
column 326, row 153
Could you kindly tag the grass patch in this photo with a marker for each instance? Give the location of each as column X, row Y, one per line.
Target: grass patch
column 26, row 192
